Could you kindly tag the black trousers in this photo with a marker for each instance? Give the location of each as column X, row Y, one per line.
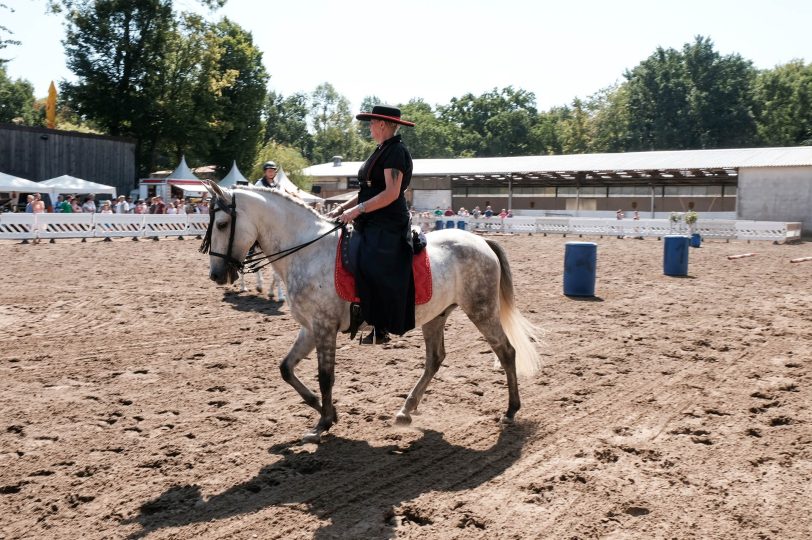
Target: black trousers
column 383, row 276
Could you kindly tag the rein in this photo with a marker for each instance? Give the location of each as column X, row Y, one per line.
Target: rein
column 254, row 263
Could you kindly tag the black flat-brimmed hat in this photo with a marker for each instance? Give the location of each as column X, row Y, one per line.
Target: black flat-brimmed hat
column 384, row 112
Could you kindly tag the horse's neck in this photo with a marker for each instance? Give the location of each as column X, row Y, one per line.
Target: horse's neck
column 282, row 225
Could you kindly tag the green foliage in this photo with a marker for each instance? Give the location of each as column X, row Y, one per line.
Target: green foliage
column 17, row 101
column 430, row 138
column 783, row 98
column 333, row 129
column 495, row 123
column 239, row 98
column 5, row 41
column 693, row 98
column 286, row 122
column 178, row 84
column 288, row 158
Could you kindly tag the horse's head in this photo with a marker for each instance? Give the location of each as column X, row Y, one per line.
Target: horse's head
column 229, row 237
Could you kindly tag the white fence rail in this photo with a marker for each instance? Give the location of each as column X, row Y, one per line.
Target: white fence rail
column 719, row 229
column 48, row 226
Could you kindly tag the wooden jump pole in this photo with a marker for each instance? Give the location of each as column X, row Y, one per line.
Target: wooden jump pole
column 741, row 256
column 800, row 259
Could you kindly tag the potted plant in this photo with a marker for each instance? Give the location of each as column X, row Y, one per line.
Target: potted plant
column 690, row 219
column 675, row 218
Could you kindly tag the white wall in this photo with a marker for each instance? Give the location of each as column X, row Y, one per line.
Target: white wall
column 428, row 199
column 776, row 194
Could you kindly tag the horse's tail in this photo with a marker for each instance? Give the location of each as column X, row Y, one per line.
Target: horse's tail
column 523, row 334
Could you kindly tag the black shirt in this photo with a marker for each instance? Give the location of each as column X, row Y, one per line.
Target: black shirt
column 391, row 154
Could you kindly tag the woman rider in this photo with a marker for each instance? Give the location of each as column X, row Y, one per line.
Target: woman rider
column 383, row 259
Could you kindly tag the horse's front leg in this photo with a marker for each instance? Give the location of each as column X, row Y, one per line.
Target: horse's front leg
column 326, row 352
column 303, row 345
column 435, row 354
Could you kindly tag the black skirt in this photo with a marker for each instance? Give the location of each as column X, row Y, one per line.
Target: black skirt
column 383, row 272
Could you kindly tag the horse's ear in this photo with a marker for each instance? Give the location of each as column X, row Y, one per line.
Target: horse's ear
column 217, row 191
column 208, row 185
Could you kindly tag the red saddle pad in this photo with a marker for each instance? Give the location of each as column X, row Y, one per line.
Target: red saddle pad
column 421, row 270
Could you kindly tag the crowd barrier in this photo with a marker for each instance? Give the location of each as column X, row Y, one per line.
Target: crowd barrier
column 51, row 226
column 723, row 229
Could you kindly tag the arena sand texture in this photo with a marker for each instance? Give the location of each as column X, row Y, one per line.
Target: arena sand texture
column 140, row 400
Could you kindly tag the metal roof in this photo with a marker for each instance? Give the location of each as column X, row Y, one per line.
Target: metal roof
column 689, row 166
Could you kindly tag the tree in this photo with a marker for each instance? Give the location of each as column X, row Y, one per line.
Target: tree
column 720, row 99
column 239, row 98
column 783, row 98
column 609, row 123
column 658, row 103
column 17, row 101
column 430, row 137
column 286, row 122
column 286, row 157
column 180, row 85
column 115, row 48
column 575, row 130
column 4, row 41
column 506, row 135
column 332, row 124
column 694, row 98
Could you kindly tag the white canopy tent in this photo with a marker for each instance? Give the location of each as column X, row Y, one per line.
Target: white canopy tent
column 290, row 187
column 9, row 183
column 233, row 178
column 184, row 179
column 70, row 184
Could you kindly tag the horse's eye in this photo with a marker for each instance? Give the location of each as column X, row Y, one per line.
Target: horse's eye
column 222, row 225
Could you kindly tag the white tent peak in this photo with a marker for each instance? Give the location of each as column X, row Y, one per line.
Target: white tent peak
column 287, row 185
column 71, row 184
column 233, row 177
column 182, row 172
column 9, row 182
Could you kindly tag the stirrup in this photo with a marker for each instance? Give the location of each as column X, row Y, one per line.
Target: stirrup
column 356, row 319
column 374, row 338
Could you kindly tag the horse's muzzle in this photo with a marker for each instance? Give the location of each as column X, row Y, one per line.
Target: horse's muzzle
column 225, row 276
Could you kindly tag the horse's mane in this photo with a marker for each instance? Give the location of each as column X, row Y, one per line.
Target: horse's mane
column 280, row 192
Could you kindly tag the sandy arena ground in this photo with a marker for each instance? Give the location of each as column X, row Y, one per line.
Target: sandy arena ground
column 140, row 400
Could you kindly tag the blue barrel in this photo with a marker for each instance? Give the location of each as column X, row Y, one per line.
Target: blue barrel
column 580, row 263
column 449, row 224
column 696, row 240
column 438, row 225
column 461, row 225
column 675, row 255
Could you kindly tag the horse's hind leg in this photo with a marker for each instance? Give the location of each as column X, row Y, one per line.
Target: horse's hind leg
column 491, row 328
column 260, row 282
column 433, row 334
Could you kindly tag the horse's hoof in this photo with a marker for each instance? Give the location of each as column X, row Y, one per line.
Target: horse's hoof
column 506, row 420
column 312, row 437
column 403, row 419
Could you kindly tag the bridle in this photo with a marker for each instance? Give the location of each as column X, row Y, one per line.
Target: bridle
column 253, row 263
column 232, row 211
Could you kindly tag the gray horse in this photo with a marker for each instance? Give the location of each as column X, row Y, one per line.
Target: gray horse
column 467, row 271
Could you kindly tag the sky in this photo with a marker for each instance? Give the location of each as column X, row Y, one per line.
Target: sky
column 440, row 49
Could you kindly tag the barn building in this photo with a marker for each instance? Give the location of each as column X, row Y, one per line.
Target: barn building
column 37, row 154
column 765, row 184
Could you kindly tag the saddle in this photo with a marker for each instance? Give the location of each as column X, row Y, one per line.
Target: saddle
column 421, row 269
